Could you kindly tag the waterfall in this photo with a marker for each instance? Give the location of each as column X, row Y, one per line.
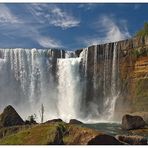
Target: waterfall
column 114, row 71
column 70, row 54
column 27, row 76
column 103, row 78
column 69, row 96
column 115, row 79
column 95, row 70
column 69, row 86
column 84, row 55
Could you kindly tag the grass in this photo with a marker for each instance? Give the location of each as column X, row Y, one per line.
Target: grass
column 40, row 134
column 45, row 134
column 6, row 131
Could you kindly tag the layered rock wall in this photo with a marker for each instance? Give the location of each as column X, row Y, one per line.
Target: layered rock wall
column 132, row 69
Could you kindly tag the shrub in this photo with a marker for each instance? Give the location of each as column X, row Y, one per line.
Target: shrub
column 144, row 31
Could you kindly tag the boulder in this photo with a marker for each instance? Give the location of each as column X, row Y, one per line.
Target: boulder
column 132, row 140
column 104, row 140
column 132, row 122
column 10, row 117
column 74, row 121
column 78, row 135
column 144, row 115
column 54, row 120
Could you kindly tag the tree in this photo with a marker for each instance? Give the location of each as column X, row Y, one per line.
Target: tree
column 31, row 119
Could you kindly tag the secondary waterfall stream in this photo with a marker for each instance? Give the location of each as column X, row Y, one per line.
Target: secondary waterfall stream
column 69, row 86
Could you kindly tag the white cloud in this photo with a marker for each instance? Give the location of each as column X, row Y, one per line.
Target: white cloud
column 108, row 30
column 6, row 15
column 32, row 32
column 62, row 19
column 47, row 42
column 53, row 15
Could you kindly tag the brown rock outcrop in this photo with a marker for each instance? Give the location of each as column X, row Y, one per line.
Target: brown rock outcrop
column 77, row 135
column 10, row 117
column 74, row 121
column 132, row 140
column 132, row 122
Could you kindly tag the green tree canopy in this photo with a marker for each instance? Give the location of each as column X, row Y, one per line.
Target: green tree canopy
column 143, row 31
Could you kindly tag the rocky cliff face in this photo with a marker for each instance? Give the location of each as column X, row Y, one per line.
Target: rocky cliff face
column 117, row 71
column 134, row 77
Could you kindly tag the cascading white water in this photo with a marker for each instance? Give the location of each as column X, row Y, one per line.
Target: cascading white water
column 114, row 89
column 105, row 79
column 84, row 56
column 114, row 71
column 105, row 72
column 30, row 81
column 69, row 95
column 95, row 70
column 70, row 54
column 35, row 77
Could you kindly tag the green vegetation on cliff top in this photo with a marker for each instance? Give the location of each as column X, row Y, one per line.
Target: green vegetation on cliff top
column 144, row 31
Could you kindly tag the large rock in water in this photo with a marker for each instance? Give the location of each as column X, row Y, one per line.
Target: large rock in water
column 133, row 140
column 10, row 117
column 132, row 122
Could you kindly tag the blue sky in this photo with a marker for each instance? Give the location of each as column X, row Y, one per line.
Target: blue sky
column 68, row 26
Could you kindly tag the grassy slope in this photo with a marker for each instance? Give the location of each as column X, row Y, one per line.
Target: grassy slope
column 47, row 133
column 70, row 134
column 39, row 134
